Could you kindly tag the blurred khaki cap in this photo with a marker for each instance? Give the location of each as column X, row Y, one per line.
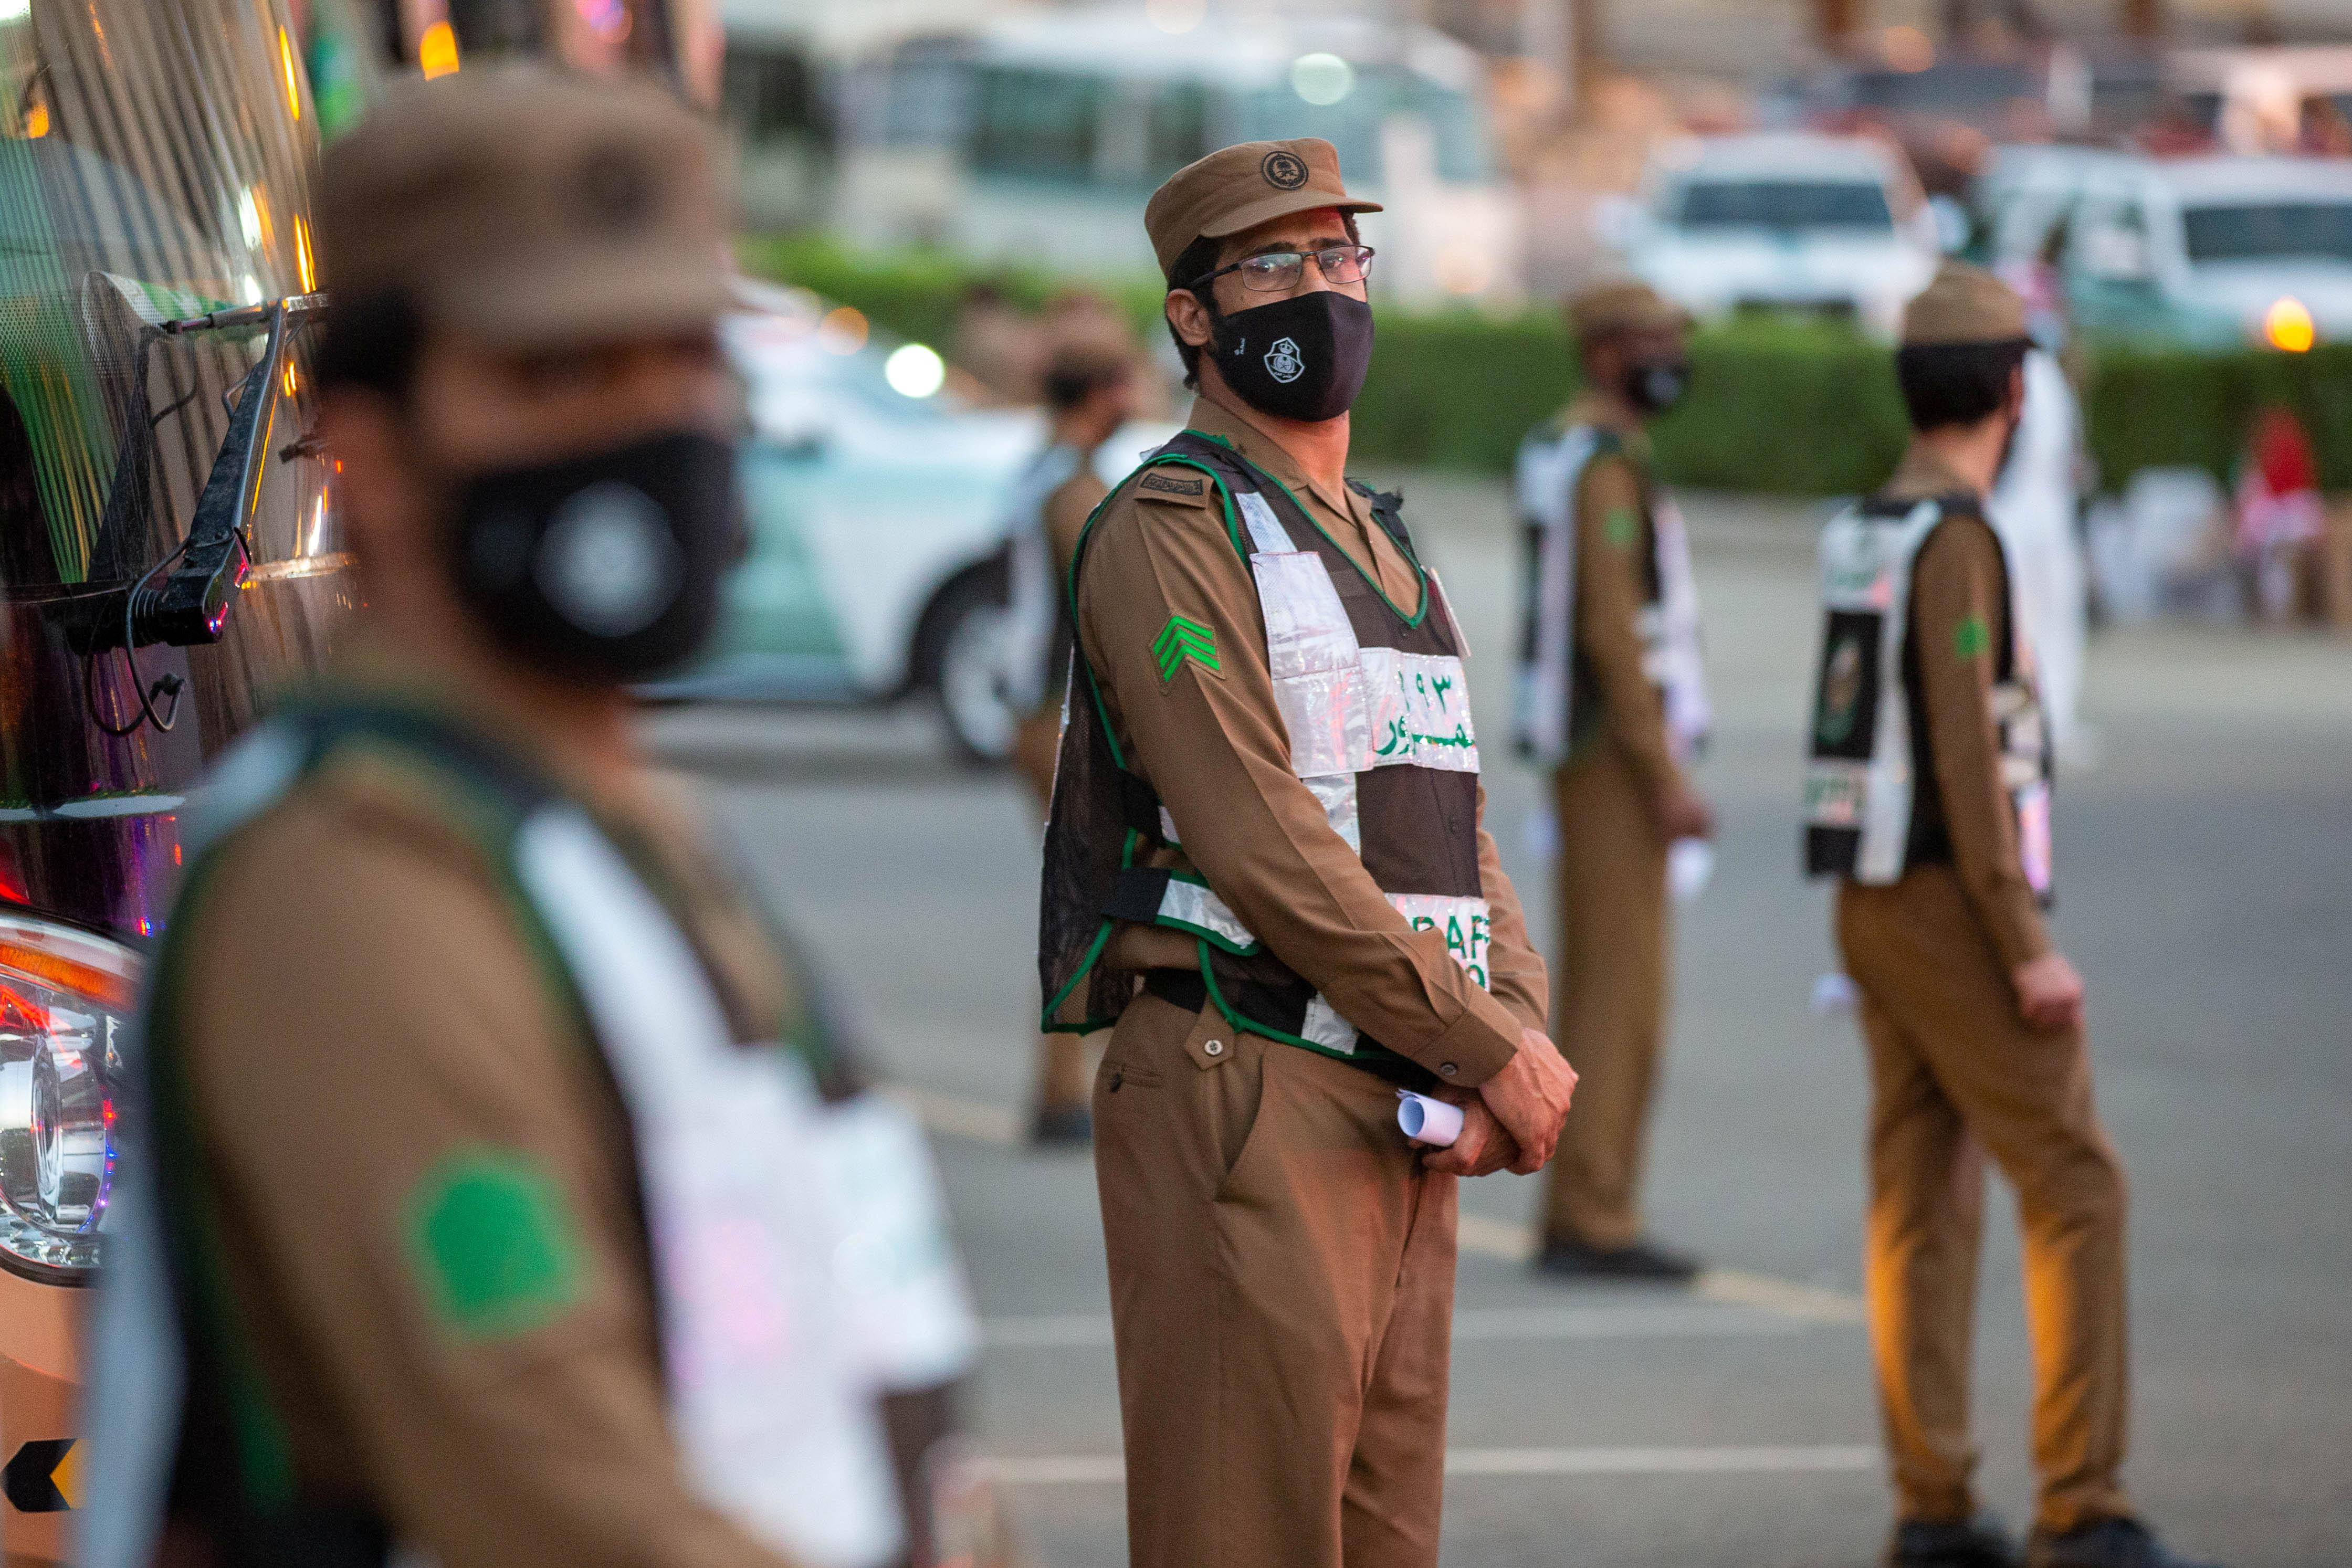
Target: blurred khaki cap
column 1621, row 305
column 1964, row 304
column 1240, row 187
column 530, row 208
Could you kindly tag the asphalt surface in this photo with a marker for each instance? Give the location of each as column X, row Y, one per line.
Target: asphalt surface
column 2205, row 865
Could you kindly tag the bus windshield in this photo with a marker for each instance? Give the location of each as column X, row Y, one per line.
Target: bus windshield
column 2269, row 231
column 1784, row 205
column 152, row 166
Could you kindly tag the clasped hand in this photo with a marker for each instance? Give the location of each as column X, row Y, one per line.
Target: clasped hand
column 1512, row 1120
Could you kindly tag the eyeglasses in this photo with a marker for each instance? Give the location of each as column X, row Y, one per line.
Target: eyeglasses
column 1278, row 271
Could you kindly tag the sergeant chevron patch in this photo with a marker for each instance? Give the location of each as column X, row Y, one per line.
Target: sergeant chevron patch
column 1183, row 639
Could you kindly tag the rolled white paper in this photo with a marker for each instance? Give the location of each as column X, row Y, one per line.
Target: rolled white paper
column 1426, row 1120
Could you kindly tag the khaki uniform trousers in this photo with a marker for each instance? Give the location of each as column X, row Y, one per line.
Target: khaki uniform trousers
column 1282, row 1297
column 1063, row 1060
column 1955, row 1072
column 1610, row 990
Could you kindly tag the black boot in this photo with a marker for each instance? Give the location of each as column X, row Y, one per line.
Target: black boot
column 1980, row 1542
column 1643, row 1260
column 2105, row 1543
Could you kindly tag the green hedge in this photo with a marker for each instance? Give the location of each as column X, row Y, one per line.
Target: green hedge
column 1776, row 406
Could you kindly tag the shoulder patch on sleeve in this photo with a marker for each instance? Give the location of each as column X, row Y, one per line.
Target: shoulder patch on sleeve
column 1622, row 528
column 493, row 1245
column 1182, row 639
column 1971, row 639
column 1160, row 482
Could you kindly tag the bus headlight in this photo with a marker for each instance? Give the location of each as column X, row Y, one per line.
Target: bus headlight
column 66, row 999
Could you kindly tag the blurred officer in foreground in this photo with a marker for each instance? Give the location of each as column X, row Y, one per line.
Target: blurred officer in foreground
column 505, row 1153
column 1089, row 395
column 1612, row 700
column 1928, row 796
column 1265, row 868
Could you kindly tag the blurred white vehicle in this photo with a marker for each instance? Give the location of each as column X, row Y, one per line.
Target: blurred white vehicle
column 2215, row 251
column 1783, row 222
column 2258, row 100
column 1035, row 137
column 878, row 507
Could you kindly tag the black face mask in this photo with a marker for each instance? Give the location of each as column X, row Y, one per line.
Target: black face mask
column 603, row 569
column 1303, row 358
column 1658, row 385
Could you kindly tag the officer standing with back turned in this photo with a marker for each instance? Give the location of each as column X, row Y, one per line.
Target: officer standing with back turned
column 1928, row 796
column 1266, row 871
column 1612, row 701
column 495, row 1155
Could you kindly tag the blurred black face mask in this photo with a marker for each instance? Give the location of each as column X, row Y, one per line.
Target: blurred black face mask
column 1302, row 358
column 1658, row 385
column 603, row 569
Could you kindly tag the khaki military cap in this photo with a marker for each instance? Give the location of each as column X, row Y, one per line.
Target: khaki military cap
column 1240, row 187
column 1621, row 305
column 1964, row 305
column 529, row 207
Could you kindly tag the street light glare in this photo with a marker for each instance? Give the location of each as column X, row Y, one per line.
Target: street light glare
column 914, row 369
column 2288, row 325
column 1322, row 79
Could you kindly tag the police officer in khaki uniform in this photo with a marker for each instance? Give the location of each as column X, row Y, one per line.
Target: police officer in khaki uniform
column 1928, row 796
column 481, row 1209
column 1265, row 869
column 1089, row 395
column 1610, row 699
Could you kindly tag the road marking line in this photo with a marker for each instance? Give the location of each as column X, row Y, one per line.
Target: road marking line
column 1481, row 1234
column 1076, row 1331
column 1110, row 1469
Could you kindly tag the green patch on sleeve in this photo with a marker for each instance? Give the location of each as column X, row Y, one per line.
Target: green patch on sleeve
column 1971, row 639
column 1183, row 639
column 493, row 1244
column 1622, row 528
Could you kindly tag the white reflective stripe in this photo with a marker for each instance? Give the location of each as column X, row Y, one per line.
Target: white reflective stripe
column 1325, row 1027
column 1466, row 923
column 1445, row 605
column 1167, row 828
column 1196, row 906
column 1682, row 674
column 774, row 1410
column 1311, row 650
column 1546, row 484
column 1265, row 529
column 1336, row 791
column 1419, row 712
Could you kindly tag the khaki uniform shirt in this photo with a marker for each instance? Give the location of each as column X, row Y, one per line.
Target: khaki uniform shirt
column 1614, row 530
column 362, row 1011
column 1960, row 620
column 1213, row 745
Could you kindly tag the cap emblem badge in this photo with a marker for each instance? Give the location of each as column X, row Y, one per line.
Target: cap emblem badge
column 1284, row 170
column 1283, row 361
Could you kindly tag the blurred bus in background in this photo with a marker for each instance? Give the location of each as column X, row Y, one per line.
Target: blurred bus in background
column 1034, row 138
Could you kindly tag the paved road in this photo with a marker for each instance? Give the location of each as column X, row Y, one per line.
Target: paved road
column 2206, row 868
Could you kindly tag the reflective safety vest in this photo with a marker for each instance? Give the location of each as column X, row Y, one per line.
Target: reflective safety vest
column 776, row 1200
column 1545, row 694
column 1869, row 767
column 1378, row 712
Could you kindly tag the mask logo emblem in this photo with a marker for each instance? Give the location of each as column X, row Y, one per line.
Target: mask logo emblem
column 1284, row 170
column 1283, row 363
column 608, row 563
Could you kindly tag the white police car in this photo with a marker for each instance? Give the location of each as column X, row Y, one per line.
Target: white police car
column 877, row 510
